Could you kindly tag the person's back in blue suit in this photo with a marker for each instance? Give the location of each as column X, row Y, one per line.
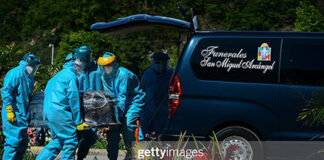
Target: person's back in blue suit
column 62, row 112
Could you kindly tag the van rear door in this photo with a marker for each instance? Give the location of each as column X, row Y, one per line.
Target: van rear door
column 140, row 22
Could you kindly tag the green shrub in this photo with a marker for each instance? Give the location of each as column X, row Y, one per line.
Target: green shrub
column 133, row 51
column 10, row 55
column 309, row 18
column 43, row 75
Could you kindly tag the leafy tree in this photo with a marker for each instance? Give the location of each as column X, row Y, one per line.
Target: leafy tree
column 10, row 55
column 43, row 75
column 100, row 43
column 309, row 18
column 133, row 51
column 246, row 15
column 32, row 25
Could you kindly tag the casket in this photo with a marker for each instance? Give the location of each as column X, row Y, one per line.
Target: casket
column 97, row 107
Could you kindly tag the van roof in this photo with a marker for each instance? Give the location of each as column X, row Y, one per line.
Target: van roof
column 262, row 33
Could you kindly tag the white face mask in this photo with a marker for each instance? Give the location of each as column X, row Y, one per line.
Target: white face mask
column 31, row 70
column 79, row 66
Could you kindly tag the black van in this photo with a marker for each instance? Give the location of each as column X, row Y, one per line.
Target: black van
column 243, row 86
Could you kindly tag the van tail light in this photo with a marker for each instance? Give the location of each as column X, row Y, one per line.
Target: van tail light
column 174, row 94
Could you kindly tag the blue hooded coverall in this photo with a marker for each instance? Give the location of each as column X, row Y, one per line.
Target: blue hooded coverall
column 62, row 113
column 16, row 91
column 95, row 80
column 88, row 81
column 155, row 112
column 125, row 86
column 86, row 78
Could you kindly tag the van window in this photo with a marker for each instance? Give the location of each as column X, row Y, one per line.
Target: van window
column 303, row 62
column 237, row 59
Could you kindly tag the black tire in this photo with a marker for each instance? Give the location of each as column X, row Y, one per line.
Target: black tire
column 234, row 134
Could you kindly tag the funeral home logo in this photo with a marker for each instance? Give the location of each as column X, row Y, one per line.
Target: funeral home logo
column 214, row 57
column 264, row 52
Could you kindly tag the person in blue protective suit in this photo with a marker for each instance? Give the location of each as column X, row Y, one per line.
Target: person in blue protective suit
column 62, row 110
column 155, row 84
column 125, row 86
column 95, row 80
column 16, row 92
column 89, row 80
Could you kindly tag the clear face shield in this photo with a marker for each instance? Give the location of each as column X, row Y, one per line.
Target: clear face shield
column 32, row 69
column 106, row 69
column 79, row 66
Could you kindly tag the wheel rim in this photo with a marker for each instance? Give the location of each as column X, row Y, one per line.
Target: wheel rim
column 237, row 147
